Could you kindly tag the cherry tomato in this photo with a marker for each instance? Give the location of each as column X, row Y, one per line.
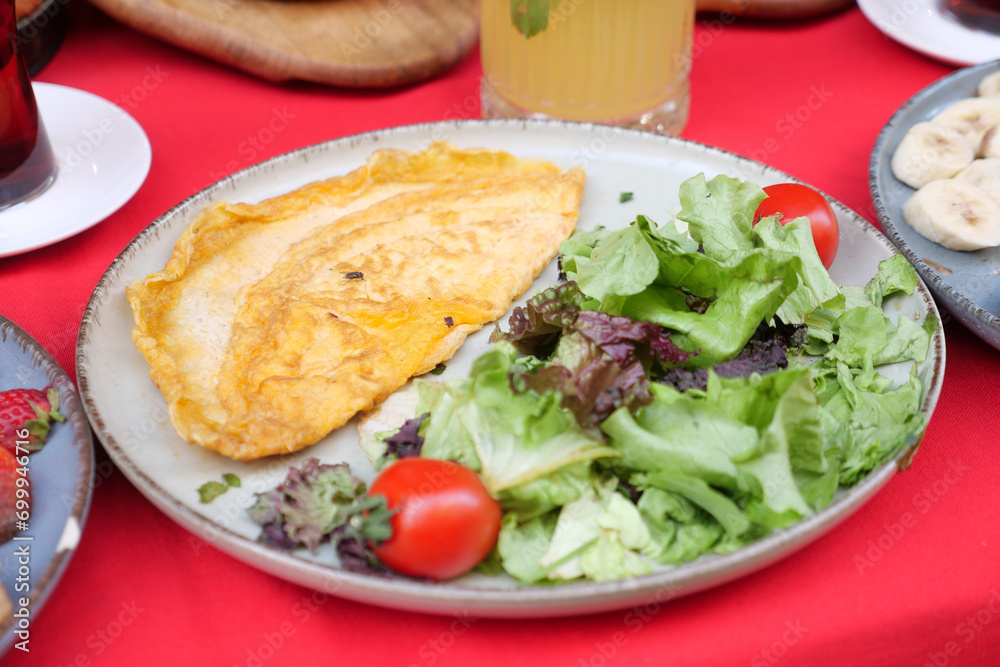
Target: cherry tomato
column 787, row 201
column 445, row 521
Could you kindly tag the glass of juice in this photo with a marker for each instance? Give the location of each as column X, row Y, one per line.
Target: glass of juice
column 27, row 165
column 619, row 62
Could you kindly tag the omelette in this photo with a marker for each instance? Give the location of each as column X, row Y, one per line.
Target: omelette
column 273, row 324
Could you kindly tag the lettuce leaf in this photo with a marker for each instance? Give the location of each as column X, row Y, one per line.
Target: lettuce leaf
column 516, row 437
column 815, row 285
column 744, row 436
column 720, row 213
column 599, row 535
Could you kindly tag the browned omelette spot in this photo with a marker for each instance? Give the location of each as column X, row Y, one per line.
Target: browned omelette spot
column 273, row 324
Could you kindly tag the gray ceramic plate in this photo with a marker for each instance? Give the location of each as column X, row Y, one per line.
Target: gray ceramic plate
column 967, row 284
column 61, row 481
column 139, row 438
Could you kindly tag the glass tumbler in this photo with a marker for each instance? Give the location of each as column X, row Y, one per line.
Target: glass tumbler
column 618, row 62
column 27, row 165
column 979, row 14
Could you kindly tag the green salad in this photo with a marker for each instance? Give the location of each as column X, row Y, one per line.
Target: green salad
column 686, row 388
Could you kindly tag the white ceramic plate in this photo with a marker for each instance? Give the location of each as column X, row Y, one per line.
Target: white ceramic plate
column 925, row 27
column 61, row 475
column 102, row 157
column 139, row 438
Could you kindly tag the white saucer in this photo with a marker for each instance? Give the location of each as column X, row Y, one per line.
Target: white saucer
column 924, row 26
column 102, row 156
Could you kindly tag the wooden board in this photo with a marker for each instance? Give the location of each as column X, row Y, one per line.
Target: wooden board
column 41, row 26
column 356, row 43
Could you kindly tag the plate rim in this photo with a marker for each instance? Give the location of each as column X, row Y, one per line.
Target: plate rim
column 520, row 601
column 71, row 405
column 935, row 282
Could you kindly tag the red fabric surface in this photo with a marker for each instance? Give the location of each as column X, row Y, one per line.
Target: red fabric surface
column 141, row 591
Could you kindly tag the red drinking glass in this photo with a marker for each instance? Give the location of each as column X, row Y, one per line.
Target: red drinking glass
column 981, row 14
column 27, row 165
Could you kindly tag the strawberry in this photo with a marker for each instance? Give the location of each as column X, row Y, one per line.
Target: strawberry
column 9, row 474
column 31, row 410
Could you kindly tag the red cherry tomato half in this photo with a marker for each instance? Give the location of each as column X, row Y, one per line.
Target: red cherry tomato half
column 787, row 201
column 445, row 521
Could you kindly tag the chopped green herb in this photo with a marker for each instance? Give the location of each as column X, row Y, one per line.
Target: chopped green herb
column 209, row 491
column 624, row 197
column 437, row 370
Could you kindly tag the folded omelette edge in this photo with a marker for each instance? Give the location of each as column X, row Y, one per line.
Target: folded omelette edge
column 273, row 324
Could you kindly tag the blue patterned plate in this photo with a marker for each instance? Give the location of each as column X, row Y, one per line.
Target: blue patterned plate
column 61, row 475
column 966, row 284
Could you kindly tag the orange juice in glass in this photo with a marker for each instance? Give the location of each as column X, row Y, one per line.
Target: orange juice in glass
column 620, row 62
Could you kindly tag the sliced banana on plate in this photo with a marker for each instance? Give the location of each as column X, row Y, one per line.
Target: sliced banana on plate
column 976, row 169
column 957, row 198
column 990, row 145
column 989, row 85
column 989, row 183
column 954, row 214
column 971, row 117
column 929, row 152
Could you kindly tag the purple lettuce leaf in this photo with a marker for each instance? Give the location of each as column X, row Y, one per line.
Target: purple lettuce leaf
column 356, row 555
column 765, row 352
column 535, row 328
column 407, row 441
column 600, row 365
column 315, row 502
column 622, row 337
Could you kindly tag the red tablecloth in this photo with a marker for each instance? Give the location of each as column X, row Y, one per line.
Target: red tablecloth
column 806, row 97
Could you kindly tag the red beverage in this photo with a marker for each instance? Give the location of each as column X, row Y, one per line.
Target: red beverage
column 981, row 14
column 27, row 165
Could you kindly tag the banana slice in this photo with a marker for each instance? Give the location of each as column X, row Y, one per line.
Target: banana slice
column 989, row 182
column 976, row 169
column 971, row 117
column 989, row 85
column 929, row 152
column 954, row 214
column 990, row 144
